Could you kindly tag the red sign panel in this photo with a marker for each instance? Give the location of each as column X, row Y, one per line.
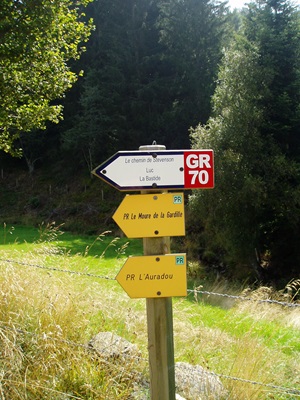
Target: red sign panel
column 198, row 169
column 158, row 170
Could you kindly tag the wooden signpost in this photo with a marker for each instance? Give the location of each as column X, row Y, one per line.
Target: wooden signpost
column 154, row 168
column 156, row 215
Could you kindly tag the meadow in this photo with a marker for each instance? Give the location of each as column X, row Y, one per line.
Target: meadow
column 58, row 290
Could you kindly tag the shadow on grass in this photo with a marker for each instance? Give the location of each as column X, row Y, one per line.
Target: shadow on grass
column 92, row 246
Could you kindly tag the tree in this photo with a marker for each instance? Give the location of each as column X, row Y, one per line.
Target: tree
column 150, row 72
column 252, row 217
column 193, row 33
column 121, row 96
column 37, row 39
column 274, row 26
column 233, row 135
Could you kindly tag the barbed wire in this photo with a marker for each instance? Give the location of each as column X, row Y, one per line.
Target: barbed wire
column 110, row 363
column 44, row 336
column 45, row 388
column 235, row 297
column 195, row 291
column 268, row 385
column 57, row 269
column 191, row 291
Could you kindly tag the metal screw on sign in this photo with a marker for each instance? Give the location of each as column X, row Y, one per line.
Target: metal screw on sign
column 155, row 168
column 160, row 322
column 154, row 215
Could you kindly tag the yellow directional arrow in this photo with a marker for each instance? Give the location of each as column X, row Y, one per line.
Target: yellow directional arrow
column 154, row 276
column 151, row 215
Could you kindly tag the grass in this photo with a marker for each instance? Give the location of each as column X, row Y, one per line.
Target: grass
column 46, row 318
column 271, row 333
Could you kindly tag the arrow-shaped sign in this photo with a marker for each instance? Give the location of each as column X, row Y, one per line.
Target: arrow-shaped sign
column 161, row 169
column 151, row 215
column 154, row 276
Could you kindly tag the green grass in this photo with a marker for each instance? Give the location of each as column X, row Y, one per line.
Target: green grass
column 11, row 236
column 257, row 342
column 271, row 333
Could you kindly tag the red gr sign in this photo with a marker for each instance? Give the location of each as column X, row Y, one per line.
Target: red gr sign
column 198, row 169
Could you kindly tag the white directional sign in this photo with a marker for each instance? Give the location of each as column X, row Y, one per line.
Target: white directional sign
column 161, row 169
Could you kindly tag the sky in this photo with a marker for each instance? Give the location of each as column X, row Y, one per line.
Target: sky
column 239, row 3
column 236, row 3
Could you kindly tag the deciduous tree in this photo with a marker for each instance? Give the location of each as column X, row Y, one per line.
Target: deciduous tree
column 37, row 39
column 253, row 213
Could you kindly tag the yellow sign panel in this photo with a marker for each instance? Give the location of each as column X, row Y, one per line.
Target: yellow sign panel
column 151, row 215
column 154, row 276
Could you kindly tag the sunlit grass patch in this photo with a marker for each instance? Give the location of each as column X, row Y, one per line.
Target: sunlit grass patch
column 48, row 315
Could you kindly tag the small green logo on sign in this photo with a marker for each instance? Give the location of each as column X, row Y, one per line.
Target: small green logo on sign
column 179, row 260
column 177, row 199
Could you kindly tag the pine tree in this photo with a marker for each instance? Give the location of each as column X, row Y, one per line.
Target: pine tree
column 142, row 83
column 193, row 33
column 254, row 211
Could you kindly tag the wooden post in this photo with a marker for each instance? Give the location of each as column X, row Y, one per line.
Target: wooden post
column 160, row 326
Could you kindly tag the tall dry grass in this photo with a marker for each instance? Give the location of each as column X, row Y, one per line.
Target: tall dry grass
column 48, row 317
column 46, row 321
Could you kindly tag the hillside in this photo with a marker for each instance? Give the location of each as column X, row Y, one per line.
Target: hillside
column 57, row 193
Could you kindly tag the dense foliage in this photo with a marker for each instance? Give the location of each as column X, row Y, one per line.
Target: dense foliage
column 37, row 38
column 152, row 69
column 253, row 215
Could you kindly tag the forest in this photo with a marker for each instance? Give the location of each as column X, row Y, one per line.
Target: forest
column 81, row 80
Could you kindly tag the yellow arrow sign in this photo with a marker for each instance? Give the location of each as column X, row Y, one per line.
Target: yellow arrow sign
column 154, row 276
column 151, row 215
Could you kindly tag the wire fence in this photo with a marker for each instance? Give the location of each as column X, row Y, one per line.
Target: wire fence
column 283, row 390
column 192, row 291
column 288, row 391
column 243, row 298
column 57, row 269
